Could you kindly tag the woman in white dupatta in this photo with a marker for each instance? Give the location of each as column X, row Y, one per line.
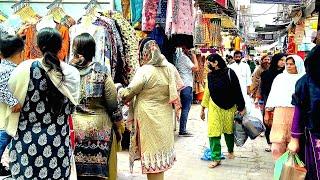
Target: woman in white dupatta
column 280, row 99
column 48, row 90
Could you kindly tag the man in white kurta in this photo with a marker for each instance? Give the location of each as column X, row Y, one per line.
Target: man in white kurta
column 243, row 72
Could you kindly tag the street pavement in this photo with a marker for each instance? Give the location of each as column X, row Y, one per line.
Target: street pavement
column 251, row 161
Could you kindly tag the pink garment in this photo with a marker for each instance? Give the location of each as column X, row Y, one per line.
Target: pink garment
column 179, row 17
column 149, row 13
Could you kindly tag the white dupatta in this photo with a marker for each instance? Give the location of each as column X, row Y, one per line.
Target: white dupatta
column 18, row 84
column 283, row 86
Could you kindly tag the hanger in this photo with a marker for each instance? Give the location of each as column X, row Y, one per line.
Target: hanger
column 19, row 5
column 55, row 3
column 3, row 16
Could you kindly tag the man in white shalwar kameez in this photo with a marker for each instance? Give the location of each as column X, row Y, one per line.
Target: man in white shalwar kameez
column 243, row 72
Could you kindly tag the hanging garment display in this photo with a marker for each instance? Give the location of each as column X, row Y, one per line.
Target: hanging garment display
column 216, row 40
column 136, row 10
column 179, row 17
column 130, row 44
column 149, row 13
column 126, row 9
column 198, row 36
column 162, row 13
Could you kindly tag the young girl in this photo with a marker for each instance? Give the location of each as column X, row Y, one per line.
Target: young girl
column 11, row 51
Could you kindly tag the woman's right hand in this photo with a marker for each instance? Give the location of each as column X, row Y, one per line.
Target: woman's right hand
column 203, row 115
column 293, row 146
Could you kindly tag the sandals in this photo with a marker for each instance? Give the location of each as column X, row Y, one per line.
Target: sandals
column 231, row 156
column 214, row 164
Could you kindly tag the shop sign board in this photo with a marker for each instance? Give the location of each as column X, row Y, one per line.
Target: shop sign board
column 223, row 3
column 277, row 1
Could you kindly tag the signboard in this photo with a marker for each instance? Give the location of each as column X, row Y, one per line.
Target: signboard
column 277, row 1
column 223, row 3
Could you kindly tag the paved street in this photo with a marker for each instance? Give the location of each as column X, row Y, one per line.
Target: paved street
column 251, row 161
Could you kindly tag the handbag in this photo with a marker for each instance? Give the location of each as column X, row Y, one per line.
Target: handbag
column 268, row 118
column 293, row 169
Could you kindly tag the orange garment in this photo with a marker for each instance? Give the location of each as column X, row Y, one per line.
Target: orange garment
column 31, row 49
column 237, row 42
column 64, row 31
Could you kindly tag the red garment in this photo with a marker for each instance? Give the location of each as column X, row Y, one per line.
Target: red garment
column 72, row 135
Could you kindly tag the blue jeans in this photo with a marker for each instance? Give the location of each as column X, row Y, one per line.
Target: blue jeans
column 4, row 141
column 186, row 96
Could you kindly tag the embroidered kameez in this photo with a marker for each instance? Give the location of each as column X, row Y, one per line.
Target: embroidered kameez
column 93, row 124
column 153, row 87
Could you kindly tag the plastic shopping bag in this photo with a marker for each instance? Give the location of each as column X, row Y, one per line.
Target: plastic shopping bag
column 289, row 167
column 240, row 136
column 293, row 169
column 253, row 126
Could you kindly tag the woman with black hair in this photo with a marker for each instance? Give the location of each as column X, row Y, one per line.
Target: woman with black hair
column 277, row 66
column 222, row 97
column 97, row 117
column 48, row 91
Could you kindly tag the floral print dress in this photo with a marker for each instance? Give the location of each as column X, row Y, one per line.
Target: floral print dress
column 41, row 147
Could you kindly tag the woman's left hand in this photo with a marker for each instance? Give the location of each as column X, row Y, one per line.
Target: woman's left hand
column 293, row 146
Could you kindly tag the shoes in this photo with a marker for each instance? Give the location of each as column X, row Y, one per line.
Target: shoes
column 4, row 171
column 185, row 134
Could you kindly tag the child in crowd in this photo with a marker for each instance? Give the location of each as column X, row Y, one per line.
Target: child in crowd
column 11, row 54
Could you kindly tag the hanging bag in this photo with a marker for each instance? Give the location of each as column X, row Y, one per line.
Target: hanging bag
column 293, row 169
column 268, row 118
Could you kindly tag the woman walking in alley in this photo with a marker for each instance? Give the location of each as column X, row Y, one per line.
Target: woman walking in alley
column 280, row 100
column 95, row 116
column 222, row 97
column 305, row 130
column 276, row 67
column 154, row 91
column 48, row 90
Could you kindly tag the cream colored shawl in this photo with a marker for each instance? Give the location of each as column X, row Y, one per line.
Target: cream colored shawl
column 19, row 82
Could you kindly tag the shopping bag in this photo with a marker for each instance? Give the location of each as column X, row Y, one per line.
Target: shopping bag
column 240, row 136
column 279, row 164
column 268, row 118
column 255, row 112
column 253, row 126
column 289, row 167
column 293, row 169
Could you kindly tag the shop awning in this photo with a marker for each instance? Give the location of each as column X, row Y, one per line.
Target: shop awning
column 272, row 28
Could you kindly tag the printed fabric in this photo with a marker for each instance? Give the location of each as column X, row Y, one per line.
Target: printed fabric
column 41, row 147
column 149, row 13
column 180, row 18
column 6, row 68
column 130, row 44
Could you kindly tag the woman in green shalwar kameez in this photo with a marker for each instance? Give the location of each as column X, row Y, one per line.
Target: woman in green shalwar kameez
column 223, row 98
